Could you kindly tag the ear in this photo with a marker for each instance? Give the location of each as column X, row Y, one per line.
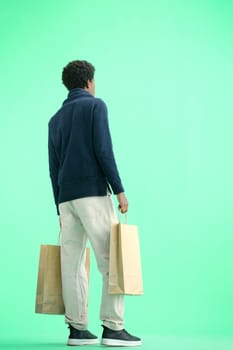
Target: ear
column 88, row 83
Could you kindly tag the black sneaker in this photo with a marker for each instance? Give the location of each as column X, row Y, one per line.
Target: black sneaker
column 119, row 338
column 78, row 337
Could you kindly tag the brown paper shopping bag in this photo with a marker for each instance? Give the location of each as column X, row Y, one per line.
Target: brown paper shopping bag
column 49, row 286
column 125, row 273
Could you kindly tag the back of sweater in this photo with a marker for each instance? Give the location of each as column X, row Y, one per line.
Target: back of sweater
column 81, row 158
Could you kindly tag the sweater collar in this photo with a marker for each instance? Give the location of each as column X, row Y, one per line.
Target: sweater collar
column 76, row 93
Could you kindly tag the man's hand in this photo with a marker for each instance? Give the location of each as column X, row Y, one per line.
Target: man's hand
column 123, row 203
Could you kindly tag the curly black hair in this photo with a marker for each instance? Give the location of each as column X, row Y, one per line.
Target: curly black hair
column 76, row 74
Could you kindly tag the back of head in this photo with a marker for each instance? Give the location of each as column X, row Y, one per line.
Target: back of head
column 76, row 74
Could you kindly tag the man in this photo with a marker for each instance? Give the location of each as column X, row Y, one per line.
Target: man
column 84, row 173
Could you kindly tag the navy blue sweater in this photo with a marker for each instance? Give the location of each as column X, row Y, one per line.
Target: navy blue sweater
column 81, row 158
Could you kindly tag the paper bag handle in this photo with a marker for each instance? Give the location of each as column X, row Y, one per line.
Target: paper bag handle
column 120, row 216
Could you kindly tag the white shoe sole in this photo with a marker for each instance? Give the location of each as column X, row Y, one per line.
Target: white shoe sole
column 78, row 342
column 115, row 342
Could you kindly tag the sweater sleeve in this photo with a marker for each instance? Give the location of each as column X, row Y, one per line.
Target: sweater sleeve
column 53, row 169
column 103, row 147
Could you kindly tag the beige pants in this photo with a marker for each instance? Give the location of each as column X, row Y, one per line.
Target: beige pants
column 86, row 219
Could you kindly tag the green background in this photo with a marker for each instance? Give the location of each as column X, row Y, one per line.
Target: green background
column 165, row 70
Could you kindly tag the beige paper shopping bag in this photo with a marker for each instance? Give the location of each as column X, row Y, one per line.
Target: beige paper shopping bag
column 49, row 286
column 125, row 273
